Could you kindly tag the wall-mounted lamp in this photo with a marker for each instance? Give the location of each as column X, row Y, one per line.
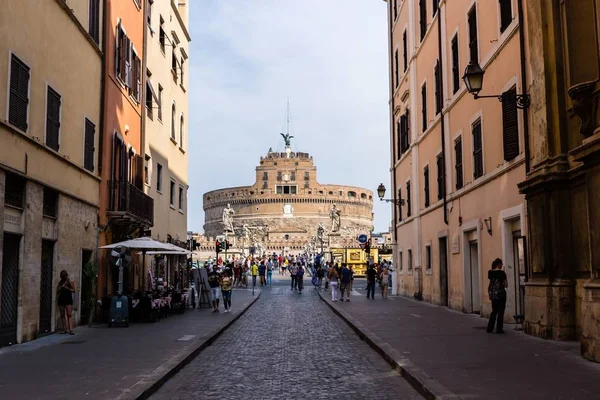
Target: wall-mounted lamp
column 488, row 225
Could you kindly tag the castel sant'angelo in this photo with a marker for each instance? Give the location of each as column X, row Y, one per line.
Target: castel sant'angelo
column 283, row 210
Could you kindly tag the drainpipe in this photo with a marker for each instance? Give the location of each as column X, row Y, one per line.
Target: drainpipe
column 524, row 84
column 442, row 122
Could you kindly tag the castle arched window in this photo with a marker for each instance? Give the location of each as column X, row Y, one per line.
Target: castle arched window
column 363, row 195
column 351, row 194
column 331, row 192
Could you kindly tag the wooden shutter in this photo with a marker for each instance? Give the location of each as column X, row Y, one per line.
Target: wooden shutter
column 477, row 151
column 510, row 124
column 94, row 20
column 424, row 106
column 399, row 137
column 119, row 53
column 408, row 204
column 426, row 181
column 438, row 88
column 396, row 72
column 473, row 50
column 505, row 14
column 19, row 93
column 88, row 155
column 455, row 66
column 423, row 18
column 139, row 171
column 440, row 176
column 399, row 204
column 405, row 50
column 127, row 63
column 52, row 119
column 458, row 163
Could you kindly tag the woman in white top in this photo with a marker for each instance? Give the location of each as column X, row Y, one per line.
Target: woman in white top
column 333, row 282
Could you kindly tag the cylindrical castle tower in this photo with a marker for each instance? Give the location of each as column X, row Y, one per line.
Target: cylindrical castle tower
column 287, row 202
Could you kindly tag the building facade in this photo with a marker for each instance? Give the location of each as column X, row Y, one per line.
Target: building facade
column 50, row 118
column 456, row 161
column 125, row 209
column 287, row 204
column 165, row 117
column 562, row 296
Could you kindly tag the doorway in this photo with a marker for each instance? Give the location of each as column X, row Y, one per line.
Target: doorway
column 88, row 278
column 519, row 252
column 443, row 246
column 9, row 292
column 474, row 277
column 46, row 275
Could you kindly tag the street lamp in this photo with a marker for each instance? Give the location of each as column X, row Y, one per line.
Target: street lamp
column 381, row 193
column 473, row 79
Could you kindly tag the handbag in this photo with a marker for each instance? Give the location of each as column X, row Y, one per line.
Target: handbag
column 75, row 301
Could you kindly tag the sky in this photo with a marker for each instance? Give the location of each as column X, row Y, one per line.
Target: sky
column 328, row 57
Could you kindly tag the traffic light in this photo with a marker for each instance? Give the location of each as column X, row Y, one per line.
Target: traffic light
column 218, row 246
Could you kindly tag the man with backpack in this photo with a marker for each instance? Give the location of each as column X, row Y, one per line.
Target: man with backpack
column 299, row 278
column 497, row 294
column 293, row 272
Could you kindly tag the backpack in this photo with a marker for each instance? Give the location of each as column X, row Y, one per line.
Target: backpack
column 300, row 272
column 496, row 290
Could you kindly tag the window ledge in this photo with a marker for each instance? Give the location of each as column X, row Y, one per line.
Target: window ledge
column 429, row 271
column 174, row 73
column 182, row 88
column 173, row 140
column 180, row 211
column 410, row 272
column 171, row 206
column 181, row 150
column 159, row 191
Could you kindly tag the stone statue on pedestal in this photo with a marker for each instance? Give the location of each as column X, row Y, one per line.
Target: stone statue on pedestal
column 228, row 219
column 335, row 216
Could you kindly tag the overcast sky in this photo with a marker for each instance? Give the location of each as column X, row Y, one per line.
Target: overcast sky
column 329, row 57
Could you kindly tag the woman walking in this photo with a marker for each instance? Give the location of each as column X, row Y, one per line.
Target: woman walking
column 333, row 276
column 385, row 276
column 497, row 294
column 226, row 289
column 64, row 294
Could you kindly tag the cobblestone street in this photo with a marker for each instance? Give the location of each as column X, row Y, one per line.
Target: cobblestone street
column 292, row 346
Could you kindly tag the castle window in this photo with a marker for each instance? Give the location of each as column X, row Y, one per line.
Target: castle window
column 321, row 192
column 351, row 194
column 279, row 176
column 265, row 176
column 331, row 193
column 363, row 196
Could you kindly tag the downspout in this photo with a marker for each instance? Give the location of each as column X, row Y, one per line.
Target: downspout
column 524, row 84
column 442, row 122
column 392, row 107
column 144, row 80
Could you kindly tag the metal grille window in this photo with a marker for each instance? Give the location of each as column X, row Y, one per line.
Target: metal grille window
column 423, row 18
column 88, row 155
column 424, row 106
column 396, row 73
column 19, row 93
column 405, row 50
column 510, row 124
column 455, row 65
column 408, row 201
column 473, row 42
column 440, row 176
column 14, row 191
column 458, row 163
column 426, row 184
column 94, row 20
column 52, row 119
column 438, row 87
column 50, row 202
column 505, row 14
column 477, row 150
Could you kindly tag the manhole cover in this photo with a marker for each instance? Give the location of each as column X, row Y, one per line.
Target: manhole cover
column 74, row 342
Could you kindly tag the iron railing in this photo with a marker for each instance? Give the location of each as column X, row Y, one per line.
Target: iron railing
column 125, row 197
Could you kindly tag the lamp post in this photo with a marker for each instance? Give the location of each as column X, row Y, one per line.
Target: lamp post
column 473, row 79
column 381, row 194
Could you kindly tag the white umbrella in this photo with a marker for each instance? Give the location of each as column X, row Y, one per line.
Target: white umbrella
column 143, row 243
column 168, row 252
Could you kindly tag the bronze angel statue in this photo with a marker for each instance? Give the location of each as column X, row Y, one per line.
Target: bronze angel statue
column 287, row 138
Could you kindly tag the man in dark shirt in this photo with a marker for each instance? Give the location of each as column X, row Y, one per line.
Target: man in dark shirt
column 261, row 273
column 345, row 278
column 214, row 281
column 371, row 278
column 497, row 294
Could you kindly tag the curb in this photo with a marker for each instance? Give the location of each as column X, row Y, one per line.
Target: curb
column 425, row 385
column 149, row 385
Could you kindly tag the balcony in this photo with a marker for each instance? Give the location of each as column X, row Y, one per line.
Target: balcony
column 129, row 205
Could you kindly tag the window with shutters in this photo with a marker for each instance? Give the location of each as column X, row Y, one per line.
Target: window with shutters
column 423, row 18
column 149, row 12
column 14, row 194
column 173, row 121
column 399, row 137
column 428, row 258
column 136, row 76
column 410, row 260
column 435, row 5
column 437, row 73
column 50, row 203
column 149, row 105
column 147, row 169
column 181, row 131
column 455, row 65
column 458, row 162
column 174, row 64
column 18, row 102
column 426, row 184
column 52, row 119
column 405, row 50
column 159, row 178
column 399, row 204
column 424, row 107
column 94, row 20
column 90, row 149
column 181, row 198
column 473, row 42
column 172, row 193
column 510, row 124
column 505, row 14
column 396, row 73
column 160, row 99
column 162, row 35
column 406, row 131
column 181, row 68
column 477, row 150
column 120, row 52
column 440, row 176
column 395, row 9
column 408, row 200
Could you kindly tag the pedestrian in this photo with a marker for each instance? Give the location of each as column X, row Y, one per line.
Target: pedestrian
column 237, row 274
column 320, row 274
column 214, row 281
column 254, row 271
column 270, row 272
column 300, row 278
column 64, row 294
column 333, row 277
column 497, row 294
column 293, row 272
column 345, row 278
column 371, row 278
column 226, row 289
column 384, row 281
column 351, row 277
column 261, row 273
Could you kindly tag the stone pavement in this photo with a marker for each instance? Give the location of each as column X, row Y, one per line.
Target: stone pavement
column 288, row 346
column 452, row 356
column 111, row 363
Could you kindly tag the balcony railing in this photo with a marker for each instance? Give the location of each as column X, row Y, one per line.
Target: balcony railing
column 125, row 197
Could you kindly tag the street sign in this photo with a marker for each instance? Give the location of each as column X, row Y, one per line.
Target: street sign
column 362, row 238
